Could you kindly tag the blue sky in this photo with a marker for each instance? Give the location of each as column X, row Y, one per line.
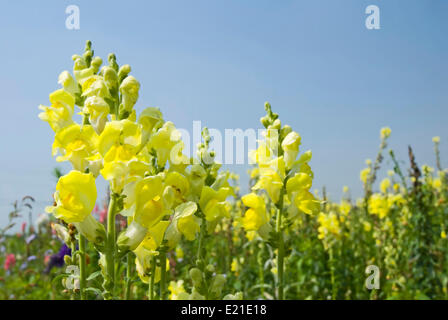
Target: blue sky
column 331, row 79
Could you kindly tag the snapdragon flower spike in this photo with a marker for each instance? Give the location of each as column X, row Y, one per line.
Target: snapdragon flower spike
column 285, row 179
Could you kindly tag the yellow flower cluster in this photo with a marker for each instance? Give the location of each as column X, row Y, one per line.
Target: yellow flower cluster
column 285, row 177
column 140, row 156
column 328, row 225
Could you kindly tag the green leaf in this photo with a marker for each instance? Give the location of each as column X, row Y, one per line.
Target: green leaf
column 59, row 277
column 95, row 290
column 94, row 275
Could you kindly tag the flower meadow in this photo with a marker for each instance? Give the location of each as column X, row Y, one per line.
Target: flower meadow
column 173, row 227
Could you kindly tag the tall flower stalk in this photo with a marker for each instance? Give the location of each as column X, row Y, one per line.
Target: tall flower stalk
column 286, row 179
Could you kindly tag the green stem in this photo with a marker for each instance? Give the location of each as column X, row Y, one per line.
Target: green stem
column 260, row 270
column 332, row 273
column 109, row 281
column 281, row 249
column 82, row 266
column 128, row 276
column 201, row 238
column 162, row 274
column 151, row 280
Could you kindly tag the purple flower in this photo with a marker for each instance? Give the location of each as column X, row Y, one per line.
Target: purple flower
column 57, row 260
column 30, row 238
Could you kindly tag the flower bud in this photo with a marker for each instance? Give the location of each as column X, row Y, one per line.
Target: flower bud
column 112, row 59
column 91, row 229
column 61, row 232
column 66, row 80
column 277, row 124
column 110, row 77
column 285, row 131
column 265, row 121
column 96, row 64
column 79, row 64
column 267, row 107
column 236, row 296
column 123, row 72
column 129, row 90
column 210, row 268
column 218, row 284
column 196, row 295
column 131, row 237
column 196, row 277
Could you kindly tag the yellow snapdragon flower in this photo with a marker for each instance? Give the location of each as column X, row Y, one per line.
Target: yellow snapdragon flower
column 179, row 184
column 75, row 196
column 143, row 263
column 290, row 146
column 75, row 199
column 213, row 202
column 364, row 175
column 120, row 140
column 235, row 267
column 385, row 185
column 329, row 224
column 437, row 184
column 184, row 222
column 76, row 144
column 149, row 119
column 256, row 216
column 177, row 290
column 70, row 85
column 379, row 205
column 271, row 175
column 163, row 142
column 385, row 133
column 297, row 189
column 260, row 156
column 59, row 114
column 98, row 110
column 345, row 207
column 147, row 208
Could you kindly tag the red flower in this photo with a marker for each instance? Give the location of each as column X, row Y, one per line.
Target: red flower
column 10, row 261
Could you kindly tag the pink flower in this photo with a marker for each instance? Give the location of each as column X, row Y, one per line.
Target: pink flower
column 23, row 227
column 103, row 215
column 10, row 261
